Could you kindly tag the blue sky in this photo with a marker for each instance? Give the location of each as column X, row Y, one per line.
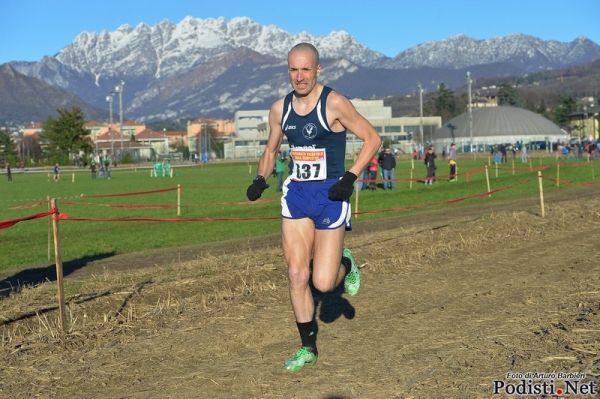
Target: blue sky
column 31, row 29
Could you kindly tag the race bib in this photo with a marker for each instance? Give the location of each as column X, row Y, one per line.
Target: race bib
column 309, row 164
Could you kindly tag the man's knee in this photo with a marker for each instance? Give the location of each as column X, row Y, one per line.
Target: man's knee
column 324, row 285
column 298, row 275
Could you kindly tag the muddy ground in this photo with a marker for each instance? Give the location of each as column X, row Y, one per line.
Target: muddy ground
column 453, row 299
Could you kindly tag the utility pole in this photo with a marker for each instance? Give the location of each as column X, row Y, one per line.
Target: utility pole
column 469, row 81
column 109, row 100
column 421, row 113
column 119, row 89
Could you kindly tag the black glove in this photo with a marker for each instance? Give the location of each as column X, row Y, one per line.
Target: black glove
column 256, row 188
column 342, row 190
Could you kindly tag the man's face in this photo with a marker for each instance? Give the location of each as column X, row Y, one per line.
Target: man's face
column 303, row 71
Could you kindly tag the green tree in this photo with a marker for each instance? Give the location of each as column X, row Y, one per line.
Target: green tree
column 443, row 103
column 509, row 95
column 560, row 115
column 8, row 148
column 66, row 135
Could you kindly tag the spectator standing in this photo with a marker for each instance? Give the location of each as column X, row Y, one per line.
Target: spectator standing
column 373, row 168
column 503, row 152
column 93, row 169
column 430, row 163
column 523, row 153
column 565, row 151
column 280, row 170
column 388, row 164
column 444, row 152
column 452, row 161
column 56, row 173
column 8, row 172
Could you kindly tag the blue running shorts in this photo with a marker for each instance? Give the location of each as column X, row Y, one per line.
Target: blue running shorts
column 310, row 199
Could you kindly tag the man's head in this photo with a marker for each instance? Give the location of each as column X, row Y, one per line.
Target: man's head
column 388, row 150
column 453, row 145
column 303, row 68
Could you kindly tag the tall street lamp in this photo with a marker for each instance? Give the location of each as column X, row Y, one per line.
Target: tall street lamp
column 585, row 122
column 109, row 100
column 469, row 81
column 119, row 89
column 421, row 113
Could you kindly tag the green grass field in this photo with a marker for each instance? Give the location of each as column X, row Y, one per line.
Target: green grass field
column 216, row 191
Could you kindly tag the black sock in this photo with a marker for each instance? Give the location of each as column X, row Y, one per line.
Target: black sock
column 347, row 264
column 308, row 335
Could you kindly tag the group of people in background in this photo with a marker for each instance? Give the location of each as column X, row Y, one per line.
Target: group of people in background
column 386, row 163
column 577, row 149
column 104, row 169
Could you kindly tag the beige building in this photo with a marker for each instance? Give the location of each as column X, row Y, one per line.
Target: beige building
column 252, row 130
column 585, row 123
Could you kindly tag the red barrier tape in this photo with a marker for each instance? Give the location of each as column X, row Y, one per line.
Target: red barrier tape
column 168, row 219
column 157, row 206
column 9, row 223
column 26, row 206
column 170, row 206
column 128, row 194
column 454, row 201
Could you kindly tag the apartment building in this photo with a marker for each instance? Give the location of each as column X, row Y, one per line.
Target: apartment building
column 252, row 130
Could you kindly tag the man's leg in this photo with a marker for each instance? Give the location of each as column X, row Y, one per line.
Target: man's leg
column 386, row 178
column 299, row 240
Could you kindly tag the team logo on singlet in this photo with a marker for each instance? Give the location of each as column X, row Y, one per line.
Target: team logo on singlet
column 309, row 131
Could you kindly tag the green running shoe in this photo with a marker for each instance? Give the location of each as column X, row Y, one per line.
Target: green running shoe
column 302, row 358
column 352, row 280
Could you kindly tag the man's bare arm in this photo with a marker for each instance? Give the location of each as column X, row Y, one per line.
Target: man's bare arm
column 340, row 108
column 267, row 160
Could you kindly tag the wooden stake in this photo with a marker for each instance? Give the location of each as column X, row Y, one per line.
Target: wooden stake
column 487, row 178
column 171, row 172
column 557, row 174
column 249, row 169
column 178, row 199
column 489, row 160
column 59, row 270
column 49, row 228
column 356, row 199
column 411, row 177
column 513, row 167
column 73, row 177
column 496, row 171
column 541, row 193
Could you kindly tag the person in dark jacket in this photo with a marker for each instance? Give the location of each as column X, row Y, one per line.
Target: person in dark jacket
column 430, row 163
column 388, row 164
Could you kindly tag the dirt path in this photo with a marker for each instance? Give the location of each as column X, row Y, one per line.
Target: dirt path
column 449, row 305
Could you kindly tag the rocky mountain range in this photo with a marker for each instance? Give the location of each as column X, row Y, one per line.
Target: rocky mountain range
column 25, row 99
column 213, row 67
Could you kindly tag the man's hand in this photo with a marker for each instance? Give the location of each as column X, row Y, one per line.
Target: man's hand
column 342, row 190
column 256, row 188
